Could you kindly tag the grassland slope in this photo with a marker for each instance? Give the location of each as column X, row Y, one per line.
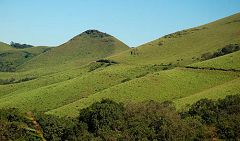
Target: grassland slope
column 83, row 48
column 4, row 46
column 11, row 58
column 186, row 46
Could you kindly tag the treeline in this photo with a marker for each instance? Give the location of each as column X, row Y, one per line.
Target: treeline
column 20, row 46
column 108, row 120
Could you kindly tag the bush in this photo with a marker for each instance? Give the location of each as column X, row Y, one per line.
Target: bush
column 20, row 46
column 155, row 121
column 55, row 128
column 104, row 115
column 106, row 61
column 100, row 63
column 206, row 109
column 229, row 105
column 228, row 127
column 223, row 115
column 225, row 50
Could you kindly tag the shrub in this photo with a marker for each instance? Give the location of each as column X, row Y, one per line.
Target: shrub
column 223, row 115
column 225, row 50
column 55, row 128
column 106, row 61
column 230, row 104
column 206, row 109
column 101, row 63
column 20, row 46
column 228, row 127
column 103, row 115
column 156, row 121
column 165, row 68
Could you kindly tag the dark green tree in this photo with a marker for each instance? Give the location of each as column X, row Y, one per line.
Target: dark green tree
column 104, row 115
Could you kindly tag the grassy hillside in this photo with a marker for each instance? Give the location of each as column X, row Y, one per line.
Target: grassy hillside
column 164, row 85
column 4, row 46
column 68, row 86
column 187, row 46
column 219, row 91
column 86, row 47
column 179, row 49
column 11, row 58
column 67, row 78
column 184, row 86
column 230, row 61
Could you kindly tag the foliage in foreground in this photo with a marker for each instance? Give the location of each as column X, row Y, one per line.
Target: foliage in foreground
column 108, row 120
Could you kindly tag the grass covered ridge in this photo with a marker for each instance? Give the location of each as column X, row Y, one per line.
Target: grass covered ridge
column 96, row 65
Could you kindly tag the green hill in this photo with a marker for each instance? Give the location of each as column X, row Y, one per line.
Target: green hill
column 11, row 58
column 182, row 85
column 68, row 86
column 83, row 48
column 214, row 78
column 93, row 65
column 160, row 86
column 187, row 46
column 178, row 49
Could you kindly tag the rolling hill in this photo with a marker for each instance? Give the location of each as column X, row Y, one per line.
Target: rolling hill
column 171, row 85
column 93, row 65
column 11, row 58
column 83, row 48
column 187, row 46
column 178, row 49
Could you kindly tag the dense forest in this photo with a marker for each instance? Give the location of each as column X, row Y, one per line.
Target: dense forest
column 109, row 120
